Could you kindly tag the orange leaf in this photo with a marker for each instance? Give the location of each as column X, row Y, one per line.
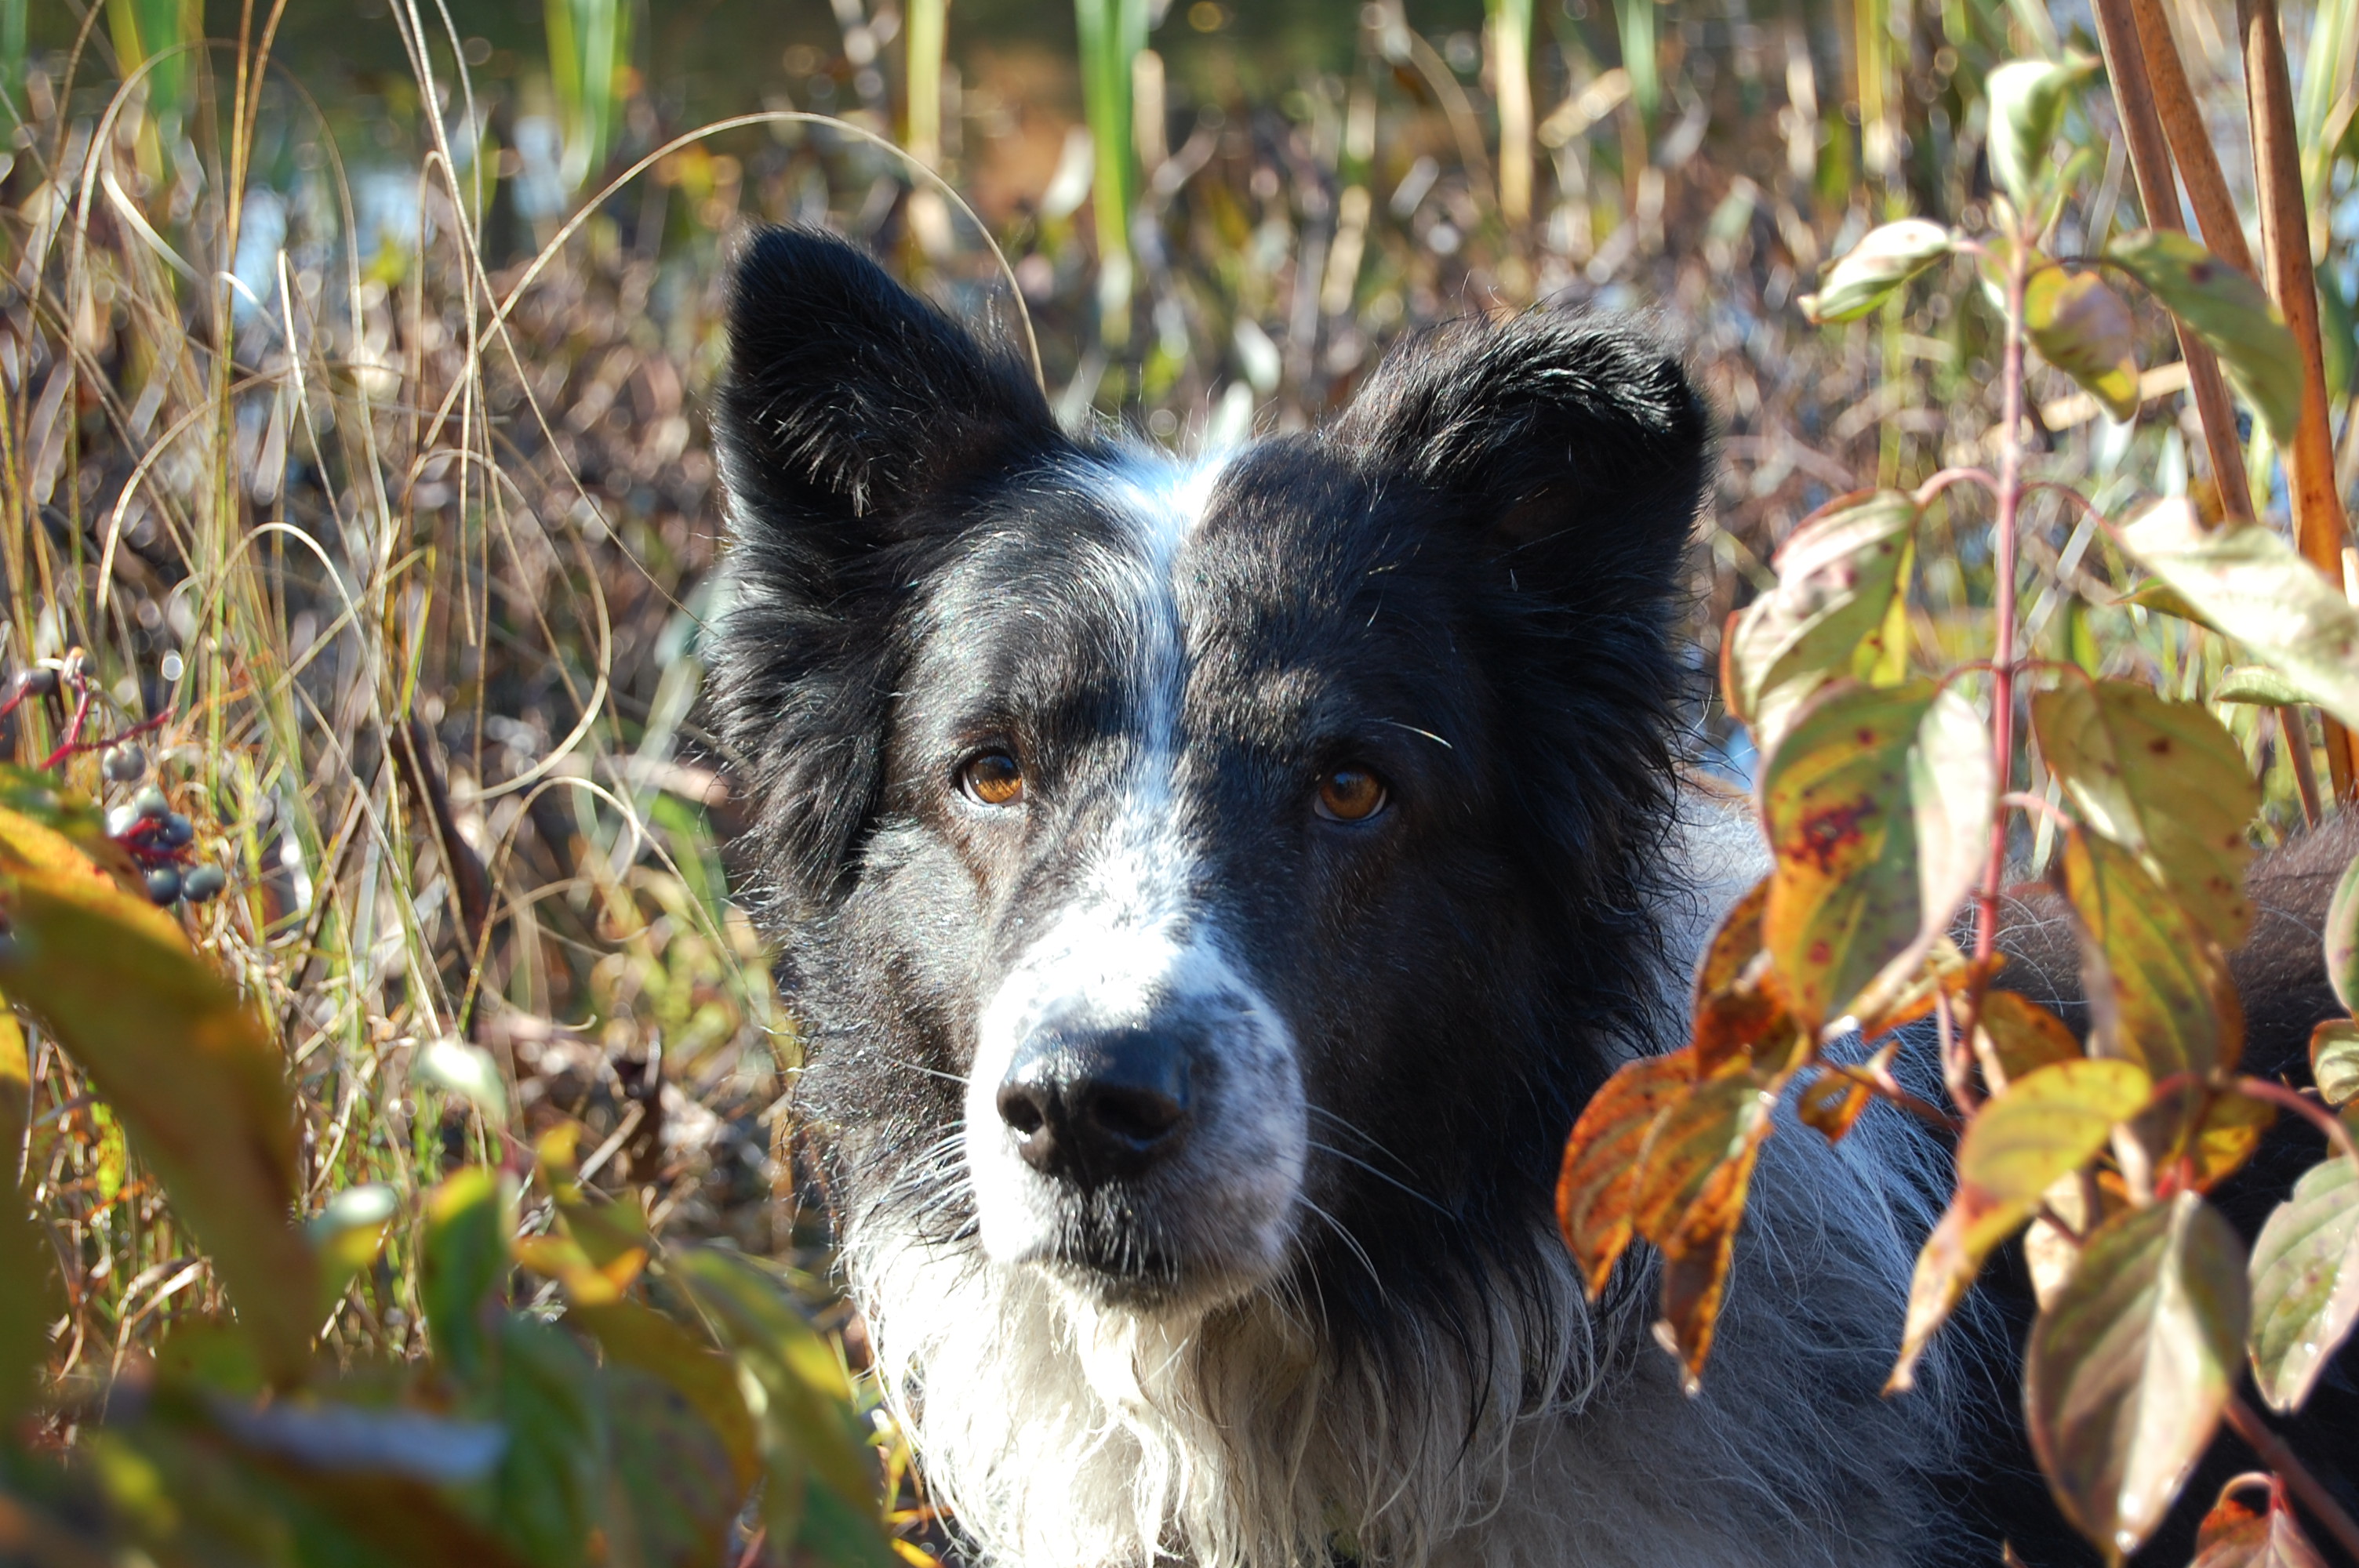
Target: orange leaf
column 1599, row 1180
column 2014, row 1035
column 1947, row 1267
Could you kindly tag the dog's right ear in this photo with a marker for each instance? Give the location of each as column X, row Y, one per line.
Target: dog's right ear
column 851, row 416
column 848, row 398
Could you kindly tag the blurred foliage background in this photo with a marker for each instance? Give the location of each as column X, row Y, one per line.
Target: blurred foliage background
column 353, row 361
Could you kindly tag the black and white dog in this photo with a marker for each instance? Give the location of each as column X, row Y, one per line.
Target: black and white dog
column 1211, row 890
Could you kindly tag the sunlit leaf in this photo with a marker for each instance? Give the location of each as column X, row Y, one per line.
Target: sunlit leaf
column 1830, row 1102
column 2049, row 1123
column 1693, row 1175
column 348, row 1233
column 2343, row 939
column 2083, row 328
column 634, row 1334
column 673, row 1497
column 2131, row 1363
column 1867, row 275
column 2219, row 1135
column 1737, row 1010
column 1879, row 804
column 2229, row 312
column 2305, row 1278
column 469, row 1219
column 1947, row 1265
column 2257, row 684
column 2026, row 105
column 468, row 1071
column 2165, row 780
column 186, row 1065
column 2234, row 1535
column 2160, row 598
column 548, row 1484
column 2334, row 1060
column 1598, row 1185
column 2157, row 988
column 2014, row 1035
column 1838, row 575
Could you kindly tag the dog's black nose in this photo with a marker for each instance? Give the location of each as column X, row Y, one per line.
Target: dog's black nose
column 1091, row 1106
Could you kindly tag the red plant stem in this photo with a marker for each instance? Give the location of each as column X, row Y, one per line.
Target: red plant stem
column 2301, row 1105
column 2037, row 805
column 67, row 746
column 1942, row 480
column 2258, row 1435
column 2010, row 492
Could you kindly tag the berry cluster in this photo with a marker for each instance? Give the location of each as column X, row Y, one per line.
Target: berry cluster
column 157, row 836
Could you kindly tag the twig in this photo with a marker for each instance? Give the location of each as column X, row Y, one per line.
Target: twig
column 2010, row 492
column 2302, row 1106
column 2263, row 1440
column 2320, row 527
column 2158, row 194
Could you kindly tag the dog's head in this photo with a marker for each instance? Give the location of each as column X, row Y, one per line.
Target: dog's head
column 1217, row 865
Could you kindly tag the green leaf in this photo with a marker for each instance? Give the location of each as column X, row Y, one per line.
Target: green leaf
column 633, row 1334
column 2131, row 1363
column 2230, row 312
column 2165, row 780
column 2258, row 684
column 1838, row 576
column 546, row 1490
column 672, row 1496
column 2083, row 328
column 2050, row 1123
column 27, row 1303
column 2160, row 598
column 2305, row 1277
column 2334, row 1060
column 181, row 1059
column 1947, row 1265
column 2343, row 939
column 468, row 1071
column 2026, row 105
column 804, row 1416
column 1884, row 259
column 2157, row 988
column 469, row 1219
column 1879, row 804
column 2251, row 585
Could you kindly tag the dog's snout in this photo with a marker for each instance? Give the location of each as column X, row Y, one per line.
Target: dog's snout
column 1092, row 1106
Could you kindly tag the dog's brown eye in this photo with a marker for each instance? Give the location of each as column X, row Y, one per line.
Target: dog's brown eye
column 1351, row 794
column 993, row 779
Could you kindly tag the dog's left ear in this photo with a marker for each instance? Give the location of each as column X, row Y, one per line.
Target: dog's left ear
column 1580, row 448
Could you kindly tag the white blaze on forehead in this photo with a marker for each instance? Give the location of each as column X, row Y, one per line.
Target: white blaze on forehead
column 1135, row 936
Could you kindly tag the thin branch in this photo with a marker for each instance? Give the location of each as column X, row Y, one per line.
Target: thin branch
column 2263, row 1439
column 2301, row 1105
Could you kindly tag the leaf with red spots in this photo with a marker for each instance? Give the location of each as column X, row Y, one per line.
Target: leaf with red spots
column 2157, row 987
column 2236, row 1535
column 1879, row 804
column 2165, row 780
column 1598, row 1184
column 2014, row 1035
column 1947, row 1265
column 1693, row 1175
column 2130, row 1364
column 1737, row 1012
column 1837, row 577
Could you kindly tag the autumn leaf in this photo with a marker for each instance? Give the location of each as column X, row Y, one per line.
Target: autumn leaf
column 1597, row 1188
column 2014, row 1035
column 2050, row 1123
column 2234, row 1535
column 1693, row 1175
column 1868, row 274
column 2157, row 987
column 1877, row 803
column 2229, row 312
column 2334, row 1060
column 2165, row 780
column 1974, row 1225
column 2131, row 1363
column 1838, row 576
column 2083, row 328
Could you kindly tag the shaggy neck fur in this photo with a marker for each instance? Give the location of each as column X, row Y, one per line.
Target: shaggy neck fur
column 1057, row 1433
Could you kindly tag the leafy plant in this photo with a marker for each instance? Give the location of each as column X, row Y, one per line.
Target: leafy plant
column 1887, row 797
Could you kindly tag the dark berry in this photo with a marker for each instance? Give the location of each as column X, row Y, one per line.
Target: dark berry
column 164, row 884
column 150, row 803
column 121, row 821
column 177, row 830
column 123, row 763
column 202, row 885
column 38, row 681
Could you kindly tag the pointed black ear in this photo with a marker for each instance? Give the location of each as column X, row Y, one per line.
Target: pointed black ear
column 1580, row 448
column 847, row 395
column 852, row 419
